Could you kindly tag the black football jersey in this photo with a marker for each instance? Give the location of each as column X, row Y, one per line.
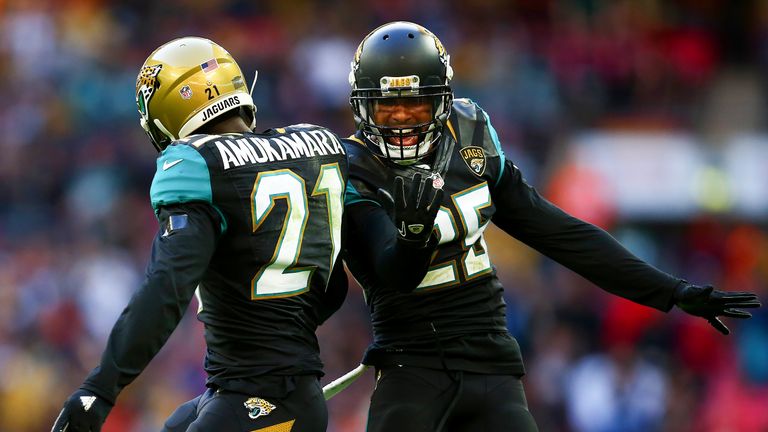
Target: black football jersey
column 455, row 317
column 262, row 217
column 280, row 195
column 459, row 295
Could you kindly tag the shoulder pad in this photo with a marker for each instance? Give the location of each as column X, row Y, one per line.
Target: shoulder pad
column 473, row 126
column 196, row 140
column 357, row 149
column 304, row 126
column 464, row 113
column 293, row 128
column 181, row 176
column 464, row 108
column 362, row 163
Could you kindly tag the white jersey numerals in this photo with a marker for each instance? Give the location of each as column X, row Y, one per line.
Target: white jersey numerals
column 281, row 277
column 474, row 262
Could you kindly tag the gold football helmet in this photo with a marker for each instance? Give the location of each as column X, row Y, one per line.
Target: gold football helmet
column 186, row 83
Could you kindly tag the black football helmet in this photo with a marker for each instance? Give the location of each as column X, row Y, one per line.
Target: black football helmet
column 401, row 60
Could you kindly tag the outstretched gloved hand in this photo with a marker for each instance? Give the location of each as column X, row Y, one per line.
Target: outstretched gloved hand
column 710, row 304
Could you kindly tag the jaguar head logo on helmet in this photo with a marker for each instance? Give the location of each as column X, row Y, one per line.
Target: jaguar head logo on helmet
column 187, row 83
column 401, row 95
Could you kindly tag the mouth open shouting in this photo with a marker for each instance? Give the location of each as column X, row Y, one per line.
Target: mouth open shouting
column 405, row 119
column 406, row 137
column 403, row 127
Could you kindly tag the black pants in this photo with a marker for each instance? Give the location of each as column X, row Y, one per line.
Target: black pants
column 301, row 410
column 409, row 399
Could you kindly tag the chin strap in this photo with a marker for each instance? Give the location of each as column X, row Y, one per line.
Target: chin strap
column 163, row 129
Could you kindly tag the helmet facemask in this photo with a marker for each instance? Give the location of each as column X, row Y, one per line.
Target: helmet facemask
column 394, row 142
column 401, row 65
column 146, row 85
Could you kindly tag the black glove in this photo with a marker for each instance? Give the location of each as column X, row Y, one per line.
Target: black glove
column 709, row 303
column 82, row 412
column 413, row 211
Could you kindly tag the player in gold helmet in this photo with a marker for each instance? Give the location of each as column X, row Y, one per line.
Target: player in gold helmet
column 187, row 83
column 253, row 221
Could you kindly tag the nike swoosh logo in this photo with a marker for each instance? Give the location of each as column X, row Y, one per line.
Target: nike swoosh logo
column 168, row 164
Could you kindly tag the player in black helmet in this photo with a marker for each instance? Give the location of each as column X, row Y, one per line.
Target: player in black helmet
column 427, row 176
column 253, row 221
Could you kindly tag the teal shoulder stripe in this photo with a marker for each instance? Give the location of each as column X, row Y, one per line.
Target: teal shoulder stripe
column 497, row 143
column 352, row 196
column 181, row 176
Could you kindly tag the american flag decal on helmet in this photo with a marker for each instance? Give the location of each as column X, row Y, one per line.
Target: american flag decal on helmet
column 209, row 66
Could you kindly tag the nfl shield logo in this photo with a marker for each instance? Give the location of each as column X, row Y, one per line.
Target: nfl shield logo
column 186, row 92
column 437, row 180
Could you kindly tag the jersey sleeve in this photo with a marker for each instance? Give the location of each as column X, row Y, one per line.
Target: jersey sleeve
column 182, row 176
column 472, row 127
column 180, row 255
column 353, row 195
column 371, row 243
column 372, row 250
column 494, row 137
column 335, row 293
column 582, row 247
column 364, row 174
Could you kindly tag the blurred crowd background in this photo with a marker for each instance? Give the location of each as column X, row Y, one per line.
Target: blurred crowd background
column 645, row 117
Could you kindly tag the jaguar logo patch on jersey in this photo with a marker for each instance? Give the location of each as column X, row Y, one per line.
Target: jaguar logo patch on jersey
column 474, row 157
column 258, row 407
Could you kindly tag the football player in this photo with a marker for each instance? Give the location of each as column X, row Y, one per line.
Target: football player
column 443, row 355
column 253, row 221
